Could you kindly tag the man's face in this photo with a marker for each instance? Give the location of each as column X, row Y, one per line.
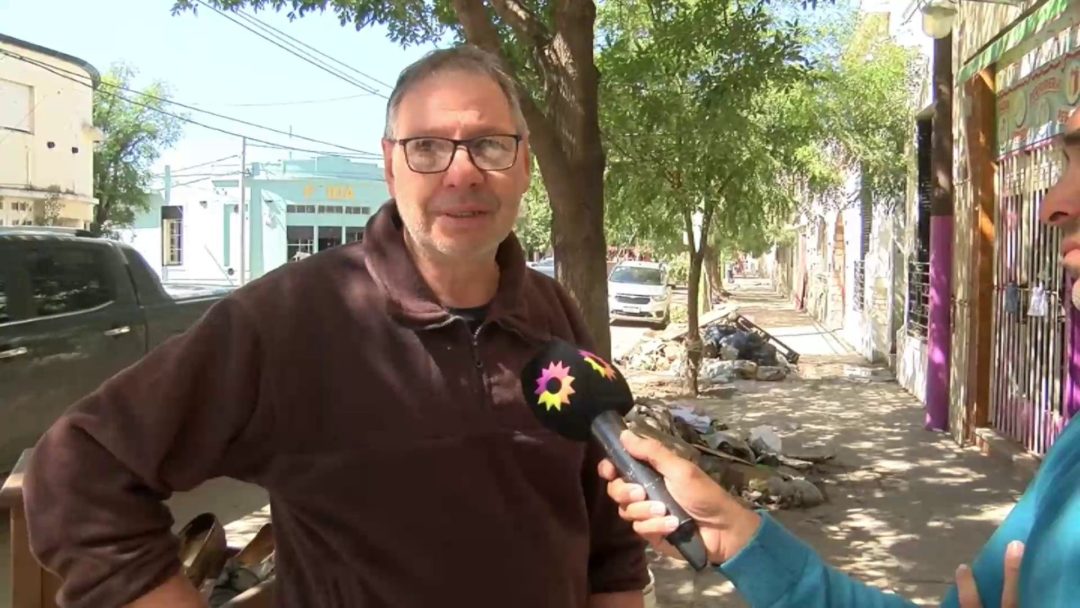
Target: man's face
column 1061, row 206
column 462, row 213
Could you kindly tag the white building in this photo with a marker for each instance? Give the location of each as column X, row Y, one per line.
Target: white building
column 191, row 231
column 47, row 136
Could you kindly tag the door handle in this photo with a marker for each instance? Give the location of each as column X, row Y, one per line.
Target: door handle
column 14, row 352
column 118, row 331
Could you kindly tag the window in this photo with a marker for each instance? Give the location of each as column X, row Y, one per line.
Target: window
column 300, row 240
column 357, row 210
column 16, row 106
column 637, row 275
column 918, row 296
column 300, row 208
column 172, row 235
column 353, row 233
column 331, row 209
column 147, row 285
column 64, row 280
column 329, row 236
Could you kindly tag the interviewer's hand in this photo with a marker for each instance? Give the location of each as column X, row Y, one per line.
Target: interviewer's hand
column 1010, row 588
column 726, row 526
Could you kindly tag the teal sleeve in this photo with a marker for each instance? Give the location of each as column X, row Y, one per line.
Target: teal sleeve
column 777, row 570
column 989, row 565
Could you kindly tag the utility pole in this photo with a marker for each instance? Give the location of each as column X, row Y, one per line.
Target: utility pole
column 243, row 212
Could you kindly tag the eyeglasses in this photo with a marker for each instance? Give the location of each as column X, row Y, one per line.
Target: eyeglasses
column 435, row 154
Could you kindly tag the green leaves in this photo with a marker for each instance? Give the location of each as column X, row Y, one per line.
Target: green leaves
column 533, row 227
column 407, row 22
column 135, row 135
column 689, row 104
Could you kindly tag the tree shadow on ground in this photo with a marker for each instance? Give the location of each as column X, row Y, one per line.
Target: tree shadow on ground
column 905, row 506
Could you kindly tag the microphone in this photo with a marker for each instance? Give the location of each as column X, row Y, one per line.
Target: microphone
column 579, row 395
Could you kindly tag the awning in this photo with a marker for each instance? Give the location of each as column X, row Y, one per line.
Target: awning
column 1016, row 35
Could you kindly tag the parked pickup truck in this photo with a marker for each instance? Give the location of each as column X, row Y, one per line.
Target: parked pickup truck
column 74, row 310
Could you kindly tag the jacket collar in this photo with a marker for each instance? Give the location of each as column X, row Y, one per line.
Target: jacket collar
column 411, row 300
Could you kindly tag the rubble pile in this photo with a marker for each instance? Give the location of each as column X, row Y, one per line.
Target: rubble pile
column 730, row 352
column 752, row 464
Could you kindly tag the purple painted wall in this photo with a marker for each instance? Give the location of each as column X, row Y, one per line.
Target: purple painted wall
column 1072, row 388
column 939, row 337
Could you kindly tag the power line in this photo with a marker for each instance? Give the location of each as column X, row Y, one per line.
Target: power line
column 67, row 74
column 295, row 52
column 295, row 103
column 362, row 154
column 181, row 105
column 209, row 162
column 273, row 146
column 253, row 19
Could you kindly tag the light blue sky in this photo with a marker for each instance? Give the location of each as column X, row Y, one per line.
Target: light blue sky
column 214, row 64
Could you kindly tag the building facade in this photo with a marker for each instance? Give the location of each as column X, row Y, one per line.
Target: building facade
column 841, row 261
column 191, row 233
column 1011, row 355
column 970, row 303
column 47, row 136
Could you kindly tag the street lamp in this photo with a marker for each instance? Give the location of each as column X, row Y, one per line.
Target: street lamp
column 938, row 18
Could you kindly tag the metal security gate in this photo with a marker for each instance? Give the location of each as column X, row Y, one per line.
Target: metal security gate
column 1029, row 366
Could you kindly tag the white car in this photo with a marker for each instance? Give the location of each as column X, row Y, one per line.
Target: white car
column 639, row 291
column 545, row 266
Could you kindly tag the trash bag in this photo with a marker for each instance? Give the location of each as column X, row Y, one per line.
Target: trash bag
column 739, row 340
column 765, row 355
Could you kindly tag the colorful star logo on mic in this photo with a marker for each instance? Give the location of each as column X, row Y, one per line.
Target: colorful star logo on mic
column 561, row 373
column 601, row 366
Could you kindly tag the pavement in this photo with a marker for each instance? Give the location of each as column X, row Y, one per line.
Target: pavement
column 625, row 336
column 905, row 506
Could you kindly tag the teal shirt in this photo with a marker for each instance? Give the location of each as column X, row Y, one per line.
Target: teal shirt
column 777, row 570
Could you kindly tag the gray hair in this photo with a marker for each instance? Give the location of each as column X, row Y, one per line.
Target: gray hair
column 464, row 58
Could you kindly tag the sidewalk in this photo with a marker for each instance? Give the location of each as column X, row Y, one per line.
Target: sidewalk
column 907, row 506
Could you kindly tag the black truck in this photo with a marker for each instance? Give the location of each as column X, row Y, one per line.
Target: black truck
column 74, row 311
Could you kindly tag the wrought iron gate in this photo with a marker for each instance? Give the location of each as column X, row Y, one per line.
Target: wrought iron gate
column 1029, row 377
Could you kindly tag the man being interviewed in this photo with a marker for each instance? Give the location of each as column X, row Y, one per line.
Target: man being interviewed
column 373, row 390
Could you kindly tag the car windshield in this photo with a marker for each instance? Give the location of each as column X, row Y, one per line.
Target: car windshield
column 636, row 275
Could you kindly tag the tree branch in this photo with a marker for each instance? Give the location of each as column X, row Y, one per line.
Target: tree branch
column 480, row 31
column 574, row 21
column 523, row 21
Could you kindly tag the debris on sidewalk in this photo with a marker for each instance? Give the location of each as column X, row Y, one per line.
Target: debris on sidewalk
column 734, row 349
column 753, row 464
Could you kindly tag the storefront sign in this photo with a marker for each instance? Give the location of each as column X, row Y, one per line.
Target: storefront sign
column 1038, row 107
column 331, row 192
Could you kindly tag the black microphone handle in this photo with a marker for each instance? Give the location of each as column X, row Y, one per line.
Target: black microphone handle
column 686, row 538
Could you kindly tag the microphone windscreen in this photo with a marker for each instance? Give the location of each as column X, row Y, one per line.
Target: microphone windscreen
column 566, row 387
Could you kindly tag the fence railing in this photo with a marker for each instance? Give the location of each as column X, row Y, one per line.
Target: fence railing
column 918, row 296
column 859, row 297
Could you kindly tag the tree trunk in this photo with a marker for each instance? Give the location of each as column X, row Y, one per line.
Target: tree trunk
column 577, row 203
column 101, row 215
column 714, row 272
column 697, row 248
column 694, row 346
column 564, row 133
